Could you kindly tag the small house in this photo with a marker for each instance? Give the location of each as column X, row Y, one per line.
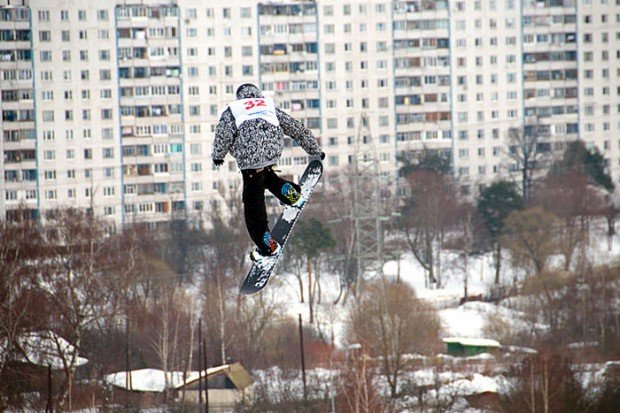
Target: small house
column 228, row 385
column 467, row 347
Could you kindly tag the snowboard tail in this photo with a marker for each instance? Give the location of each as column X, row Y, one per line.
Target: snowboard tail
column 258, row 277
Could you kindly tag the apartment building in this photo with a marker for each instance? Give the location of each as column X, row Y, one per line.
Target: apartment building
column 112, row 106
column 288, row 57
column 550, row 72
column 487, row 88
column 598, row 62
column 422, row 78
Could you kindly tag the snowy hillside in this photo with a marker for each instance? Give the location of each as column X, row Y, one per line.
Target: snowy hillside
column 466, row 320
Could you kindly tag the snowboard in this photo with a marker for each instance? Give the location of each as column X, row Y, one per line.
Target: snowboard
column 259, row 275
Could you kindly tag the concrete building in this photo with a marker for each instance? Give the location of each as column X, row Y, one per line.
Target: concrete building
column 422, row 83
column 486, row 88
column 111, row 106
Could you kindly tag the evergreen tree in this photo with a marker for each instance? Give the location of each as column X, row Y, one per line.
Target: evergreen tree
column 588, row 162
column 429, row 160
column 495, row 203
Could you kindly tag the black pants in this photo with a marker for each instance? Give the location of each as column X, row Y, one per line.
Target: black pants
column 255, row 181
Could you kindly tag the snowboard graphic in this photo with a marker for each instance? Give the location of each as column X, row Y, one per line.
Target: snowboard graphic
column 259, row 275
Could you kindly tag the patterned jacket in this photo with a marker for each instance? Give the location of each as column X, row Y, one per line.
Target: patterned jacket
column 256, row 143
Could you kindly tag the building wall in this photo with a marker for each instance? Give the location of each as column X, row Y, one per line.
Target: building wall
column 598, row 27
column 113, row 107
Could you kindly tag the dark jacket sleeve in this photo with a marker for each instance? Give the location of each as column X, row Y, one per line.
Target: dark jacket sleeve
column 225, row 133
column 296, row 130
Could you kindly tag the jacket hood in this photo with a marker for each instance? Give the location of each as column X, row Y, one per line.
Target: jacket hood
column 248, row 90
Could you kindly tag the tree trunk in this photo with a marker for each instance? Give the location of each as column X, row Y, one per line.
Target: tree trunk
column 545, row 385
column 310, row 290
column 222, row 315
column 532, row 387
column 498, row 262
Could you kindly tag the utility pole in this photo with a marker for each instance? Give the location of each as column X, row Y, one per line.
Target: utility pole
column 199, row 364
column 303, row 361
column 205, row 364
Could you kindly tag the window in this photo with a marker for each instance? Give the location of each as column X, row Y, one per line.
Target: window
column 45, row 36
column 108, row 153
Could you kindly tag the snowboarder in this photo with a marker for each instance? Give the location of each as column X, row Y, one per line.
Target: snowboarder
column 252, row 129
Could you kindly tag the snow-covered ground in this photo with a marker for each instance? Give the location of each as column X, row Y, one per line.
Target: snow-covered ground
column 466, row 320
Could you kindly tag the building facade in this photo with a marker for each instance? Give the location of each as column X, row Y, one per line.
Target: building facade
column 112, row 106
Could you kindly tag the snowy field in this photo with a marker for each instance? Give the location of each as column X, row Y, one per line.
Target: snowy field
column 466, row 320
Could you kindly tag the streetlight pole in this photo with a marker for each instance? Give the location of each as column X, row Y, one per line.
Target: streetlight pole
column 332, row 391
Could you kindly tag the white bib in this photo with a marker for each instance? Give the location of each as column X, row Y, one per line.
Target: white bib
column 254, row 108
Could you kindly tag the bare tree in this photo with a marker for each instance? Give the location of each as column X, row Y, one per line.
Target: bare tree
column 310, row 241
column 427, row 214
column 83, row 271
column 20, row 248
column 527, row 149
column 531, row 236
column 224, row 252
column 260, row 330
column 572, row 201
column 463, row 242
column 544, row 383
column 356, row 384
column 336, row 206
column 389, row 321
column 170, row 329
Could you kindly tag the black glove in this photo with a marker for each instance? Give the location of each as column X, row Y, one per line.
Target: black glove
column 218, row 162
column 322, row 155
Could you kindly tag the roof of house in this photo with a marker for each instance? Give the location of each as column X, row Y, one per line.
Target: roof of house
column 466, row 341
column 154, row 380
column 235, row 372
column 43, row 348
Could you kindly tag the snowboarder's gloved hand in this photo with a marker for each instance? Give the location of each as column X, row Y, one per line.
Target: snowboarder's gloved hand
column 218, row 162
column 322, row 155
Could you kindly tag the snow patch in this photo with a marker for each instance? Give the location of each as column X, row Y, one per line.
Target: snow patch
column 43, row 348
column 153, row 380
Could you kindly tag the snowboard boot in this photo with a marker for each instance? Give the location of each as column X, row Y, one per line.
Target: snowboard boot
column 293, row 194
column 272, row 249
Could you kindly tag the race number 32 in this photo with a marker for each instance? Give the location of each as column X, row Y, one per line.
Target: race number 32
column 252, row 103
